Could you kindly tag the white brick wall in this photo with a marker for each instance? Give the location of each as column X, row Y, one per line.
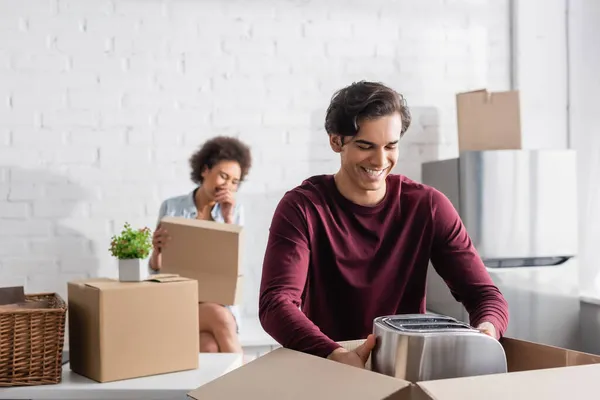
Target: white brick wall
column 540, row 72
column 102, row 102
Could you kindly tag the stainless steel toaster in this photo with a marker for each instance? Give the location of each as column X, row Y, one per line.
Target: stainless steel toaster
column 421, row 347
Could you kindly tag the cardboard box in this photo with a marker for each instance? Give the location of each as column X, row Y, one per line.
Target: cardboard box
column 488, row 120
column 553, row 373
column 209, row 252
column 121, row 330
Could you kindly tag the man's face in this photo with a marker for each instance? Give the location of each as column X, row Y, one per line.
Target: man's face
column 368, row 157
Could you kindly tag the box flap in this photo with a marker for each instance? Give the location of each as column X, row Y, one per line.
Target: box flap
column 167, row 278
column 548, row 384
column 474, row 91
column 107, row 284
column 201, row 223
column 522, row 355
column 288, row 374
column 87, row 281
column 91, row 282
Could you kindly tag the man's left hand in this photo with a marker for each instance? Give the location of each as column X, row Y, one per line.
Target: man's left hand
column 488, row 328
column 226, row 200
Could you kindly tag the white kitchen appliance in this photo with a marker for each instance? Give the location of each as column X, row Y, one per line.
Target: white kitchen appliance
column 520, row 210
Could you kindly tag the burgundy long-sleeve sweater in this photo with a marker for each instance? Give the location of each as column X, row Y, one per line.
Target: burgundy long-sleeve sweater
column 345, row 264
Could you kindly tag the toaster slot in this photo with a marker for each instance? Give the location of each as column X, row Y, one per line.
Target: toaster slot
column 425, row 320
column 428, row 325
column 432, row 327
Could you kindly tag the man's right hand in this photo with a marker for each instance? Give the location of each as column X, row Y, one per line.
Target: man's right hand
column 357, row 357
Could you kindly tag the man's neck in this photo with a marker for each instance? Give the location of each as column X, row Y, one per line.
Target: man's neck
column 366, row 198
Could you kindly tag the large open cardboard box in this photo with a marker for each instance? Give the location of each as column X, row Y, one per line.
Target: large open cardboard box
column 489, row 120
column 121, row 330
column 209, row 252
column 535, row 372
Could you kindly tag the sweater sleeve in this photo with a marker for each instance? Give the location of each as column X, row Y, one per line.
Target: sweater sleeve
column 456, row 260
column 284, row 275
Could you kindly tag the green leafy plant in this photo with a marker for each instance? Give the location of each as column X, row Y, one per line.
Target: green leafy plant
column 131, row 243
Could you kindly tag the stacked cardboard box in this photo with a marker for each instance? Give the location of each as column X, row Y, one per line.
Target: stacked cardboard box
column 121, row 330
column 489, row 120
column 209, row 252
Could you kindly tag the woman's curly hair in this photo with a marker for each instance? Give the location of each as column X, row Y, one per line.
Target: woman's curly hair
column 215, row 150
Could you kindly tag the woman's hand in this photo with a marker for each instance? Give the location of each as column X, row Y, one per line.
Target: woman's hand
column 160, row 238
column 226, row 200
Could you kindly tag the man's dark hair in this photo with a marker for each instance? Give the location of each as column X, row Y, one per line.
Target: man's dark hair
column 363, row 100
column 215, row 150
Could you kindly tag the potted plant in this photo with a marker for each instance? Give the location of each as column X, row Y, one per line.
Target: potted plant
column 132, row 248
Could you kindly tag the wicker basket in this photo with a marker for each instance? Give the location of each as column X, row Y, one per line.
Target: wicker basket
column 31, row 342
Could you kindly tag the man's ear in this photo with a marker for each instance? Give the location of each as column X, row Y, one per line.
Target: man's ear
column 336, row 142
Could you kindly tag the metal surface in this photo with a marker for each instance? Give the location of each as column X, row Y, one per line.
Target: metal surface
column 543, row 303
column 519, row 207
column 418, row 347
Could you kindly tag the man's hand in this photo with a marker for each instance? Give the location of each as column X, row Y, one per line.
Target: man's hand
column 489, row 329
column 357, row 357
column 226, row 200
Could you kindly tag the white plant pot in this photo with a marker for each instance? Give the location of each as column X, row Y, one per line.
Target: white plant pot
column 133, row 270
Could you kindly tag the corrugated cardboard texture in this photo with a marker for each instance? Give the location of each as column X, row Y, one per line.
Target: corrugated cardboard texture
column 121, row 330
column 291, row 375
column 209, row 252
column 488, row 120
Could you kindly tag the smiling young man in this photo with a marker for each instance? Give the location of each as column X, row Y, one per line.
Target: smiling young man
column 344, row 249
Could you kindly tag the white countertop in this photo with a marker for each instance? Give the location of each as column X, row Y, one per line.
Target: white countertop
column 166, row 386
column 252, row 333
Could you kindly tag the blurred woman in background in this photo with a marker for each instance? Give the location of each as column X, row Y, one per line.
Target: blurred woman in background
column 217, row 169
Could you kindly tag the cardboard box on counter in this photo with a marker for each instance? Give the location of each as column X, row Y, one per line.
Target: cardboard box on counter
column 121, row 330
column 209, row 252
column 488, row 120
column 535, row 372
